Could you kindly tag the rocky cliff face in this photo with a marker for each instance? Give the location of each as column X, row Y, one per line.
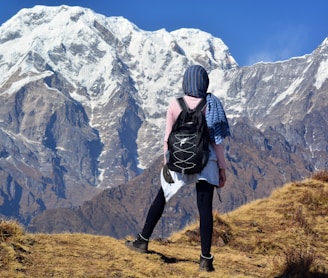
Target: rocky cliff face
column 83, row 100
column 48, row 150
column 253, row 172
column 288, row 97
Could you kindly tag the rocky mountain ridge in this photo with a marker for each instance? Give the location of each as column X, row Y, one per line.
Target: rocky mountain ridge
column 83, row 100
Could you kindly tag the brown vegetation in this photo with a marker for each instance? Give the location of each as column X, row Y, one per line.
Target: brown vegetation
column 285, row 235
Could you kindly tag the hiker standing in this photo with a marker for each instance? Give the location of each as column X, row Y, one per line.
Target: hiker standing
column 195, row 84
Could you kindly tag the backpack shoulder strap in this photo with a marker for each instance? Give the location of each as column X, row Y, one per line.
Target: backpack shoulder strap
column 201, row 105
column 182, row 104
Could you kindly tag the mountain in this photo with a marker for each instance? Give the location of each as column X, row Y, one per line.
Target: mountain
column 121, row 211
column 83, row 100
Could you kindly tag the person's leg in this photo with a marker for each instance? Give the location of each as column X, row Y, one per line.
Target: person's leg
column 155, row 212
column 204, row 204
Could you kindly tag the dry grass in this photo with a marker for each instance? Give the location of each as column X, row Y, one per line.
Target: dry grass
column 285, row 235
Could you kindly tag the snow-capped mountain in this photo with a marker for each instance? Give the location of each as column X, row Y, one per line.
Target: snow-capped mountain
column 103, row 59
column 83, row 100
column 289, row 97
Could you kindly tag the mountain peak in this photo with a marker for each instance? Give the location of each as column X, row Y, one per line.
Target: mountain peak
column 89, row 42
column 68, row 73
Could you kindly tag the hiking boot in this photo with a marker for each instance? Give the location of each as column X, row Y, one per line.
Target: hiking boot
column 206, row 263
column 140, row 244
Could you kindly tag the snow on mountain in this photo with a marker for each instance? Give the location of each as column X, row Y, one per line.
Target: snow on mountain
column 71, row 40
column 321, row 75
column 100, row 56
column 93, row 91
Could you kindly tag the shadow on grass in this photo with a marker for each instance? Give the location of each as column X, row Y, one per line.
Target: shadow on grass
column 170, row 260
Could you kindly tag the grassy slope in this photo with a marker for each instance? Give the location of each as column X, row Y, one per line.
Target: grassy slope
column 284, row 233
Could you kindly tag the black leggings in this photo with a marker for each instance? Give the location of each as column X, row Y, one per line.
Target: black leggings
column 204, row 203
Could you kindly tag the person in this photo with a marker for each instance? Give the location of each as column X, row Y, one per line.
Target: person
column 195, row 85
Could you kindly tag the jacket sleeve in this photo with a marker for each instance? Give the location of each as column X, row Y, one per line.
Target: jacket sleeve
column 171, row 115
column 219, row 151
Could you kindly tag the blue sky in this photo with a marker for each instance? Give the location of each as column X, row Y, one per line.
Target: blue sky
column 254, row 30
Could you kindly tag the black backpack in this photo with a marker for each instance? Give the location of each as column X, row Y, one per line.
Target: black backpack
column 188, row 142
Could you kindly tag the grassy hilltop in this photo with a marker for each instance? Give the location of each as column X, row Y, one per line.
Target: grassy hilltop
column 285, row 235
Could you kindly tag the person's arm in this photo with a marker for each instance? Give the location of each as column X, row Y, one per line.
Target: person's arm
column 222, row 165
column 171, row 116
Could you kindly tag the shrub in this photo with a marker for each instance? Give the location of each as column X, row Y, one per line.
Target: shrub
column 9, row 229
column 298, row 262
column 321, row 176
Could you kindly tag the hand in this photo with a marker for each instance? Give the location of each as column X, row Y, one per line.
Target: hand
column 222, row 177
